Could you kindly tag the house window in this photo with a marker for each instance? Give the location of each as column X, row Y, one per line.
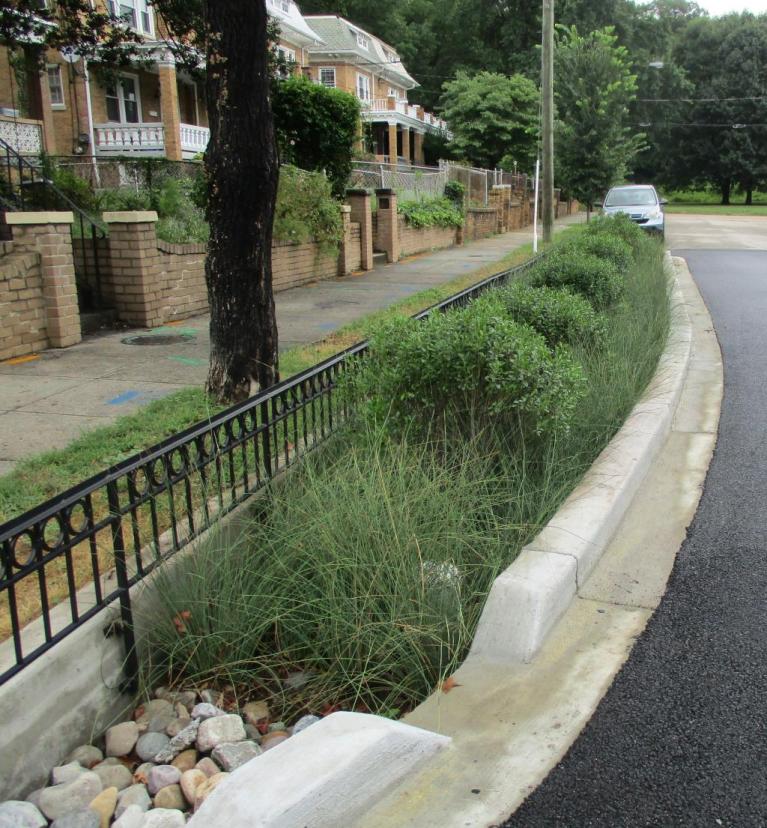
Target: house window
column 363, row 87
column 55, row 85
column 287, row 61
column 363, row 41
column 328, row 76
column 122, row 97
column 134, row 13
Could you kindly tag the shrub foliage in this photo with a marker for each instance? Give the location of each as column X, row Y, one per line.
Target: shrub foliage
column 431, row 212
column 306, row 209
column 598, row 280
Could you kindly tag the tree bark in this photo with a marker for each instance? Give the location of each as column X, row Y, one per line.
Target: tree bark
column 726, row 188
column 242, row 169
column 750, row 196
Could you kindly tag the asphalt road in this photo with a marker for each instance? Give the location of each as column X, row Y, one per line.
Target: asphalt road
column 680, row 739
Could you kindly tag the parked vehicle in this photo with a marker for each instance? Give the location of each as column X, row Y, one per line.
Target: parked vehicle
column 641, row 203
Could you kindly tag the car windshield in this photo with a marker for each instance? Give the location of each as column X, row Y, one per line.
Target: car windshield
column 626, row 198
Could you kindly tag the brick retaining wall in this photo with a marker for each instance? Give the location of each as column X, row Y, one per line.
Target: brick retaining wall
column 418, row 240
column 22, row 305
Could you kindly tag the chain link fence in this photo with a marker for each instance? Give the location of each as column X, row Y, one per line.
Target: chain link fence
column 138, row 173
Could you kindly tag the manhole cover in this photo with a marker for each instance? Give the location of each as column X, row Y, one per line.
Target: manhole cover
column 158, row 339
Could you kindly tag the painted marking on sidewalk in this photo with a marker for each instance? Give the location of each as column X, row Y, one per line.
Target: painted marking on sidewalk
column 127, row 396
column 21, row 359
column 187, row 360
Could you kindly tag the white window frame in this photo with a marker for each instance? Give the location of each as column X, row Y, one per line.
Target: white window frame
column 121, row 98
column 322, row 81
column 283, row 5
column 289, row 56
column 55, row 67
column 142, row 14
column 363, row 41
column 363, row 87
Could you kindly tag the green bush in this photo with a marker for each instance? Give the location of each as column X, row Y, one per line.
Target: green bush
column 605, row 246
column 596, row 279
column 461, row 371
column 455, row 191
column 620, row 226
column 431, row 212
column 306, row 209
column 557, row 314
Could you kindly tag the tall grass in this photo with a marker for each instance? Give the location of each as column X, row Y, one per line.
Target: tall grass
column 368, row 570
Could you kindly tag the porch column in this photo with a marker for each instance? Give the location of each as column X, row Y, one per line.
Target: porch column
column 406, row 144
column 419, row 156
column 169, row 108
column 393, row 145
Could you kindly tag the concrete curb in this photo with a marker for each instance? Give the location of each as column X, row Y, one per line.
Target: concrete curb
column 528, row 598
column 326, row 776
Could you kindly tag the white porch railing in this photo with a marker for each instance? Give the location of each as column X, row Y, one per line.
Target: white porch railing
column 194, row 139
column 22, row 134
column 380, row 107
column 130, row 139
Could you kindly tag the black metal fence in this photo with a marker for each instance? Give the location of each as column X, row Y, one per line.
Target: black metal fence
column 75, row 555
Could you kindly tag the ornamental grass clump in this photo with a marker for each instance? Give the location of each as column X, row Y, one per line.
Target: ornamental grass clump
column 560, row 316
column 464, row 370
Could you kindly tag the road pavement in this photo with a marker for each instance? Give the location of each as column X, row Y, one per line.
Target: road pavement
column 680, row 739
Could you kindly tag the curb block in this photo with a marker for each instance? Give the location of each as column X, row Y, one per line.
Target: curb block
column 328, row 775
column 528, row 599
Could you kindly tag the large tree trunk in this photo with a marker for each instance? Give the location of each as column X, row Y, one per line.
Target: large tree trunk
column 726, row 188
column 242, row 169
column 750, row 196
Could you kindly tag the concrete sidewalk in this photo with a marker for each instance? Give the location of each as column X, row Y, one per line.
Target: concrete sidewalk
column 48, row 400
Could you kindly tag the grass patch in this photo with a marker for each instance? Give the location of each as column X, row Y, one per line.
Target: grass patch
column 697, row 208
column 369, row 572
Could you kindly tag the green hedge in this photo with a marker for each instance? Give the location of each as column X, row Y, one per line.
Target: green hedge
column 597, row 280
column 606, row 246
column 431, row 212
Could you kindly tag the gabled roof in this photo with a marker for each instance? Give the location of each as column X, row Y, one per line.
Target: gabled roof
column 340, row 37
column 292, row 23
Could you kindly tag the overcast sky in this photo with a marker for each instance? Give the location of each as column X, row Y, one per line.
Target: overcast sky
column 715, row 7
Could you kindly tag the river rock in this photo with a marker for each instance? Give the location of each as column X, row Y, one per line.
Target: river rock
column 177, row 725
column 73, row 796
column 132, row 817
column 161, row 776
column 186, row 760
column 179, row 742
column 254, row 712
column 151, row 709
column 86, row 755
column 304, row 722
column 208, row 766
column 104, row 805
column 85, row 818
column 150, row 744
column 163, row 818
column 203, row 711
column 217, row 731
column 276, row 726
column 121, row 739
column 190, row 781
column 273, row 739
column 34, row 797
column 17, row 814
column 141, row 774
column 171, row 797
column 114, row 776
column 66, row 773
column 231, row 755
column 207, row 788
column 211, row 696
column 137, row 796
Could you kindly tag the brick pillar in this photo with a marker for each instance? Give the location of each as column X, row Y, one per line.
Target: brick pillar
column 345, row 248
column 393, row 145
column 419, row 156
column 171, row 117
column 50, row 236
column 406, row 144
column 49, row 133
column 135, row 267
column 359, row 201
column 388, row 224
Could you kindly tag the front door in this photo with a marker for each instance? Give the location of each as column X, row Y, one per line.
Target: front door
column 123, row 101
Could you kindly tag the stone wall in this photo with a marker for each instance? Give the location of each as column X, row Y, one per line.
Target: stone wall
column 22, row 306
column 481, row 222
column 419, row 240
column 182, row 280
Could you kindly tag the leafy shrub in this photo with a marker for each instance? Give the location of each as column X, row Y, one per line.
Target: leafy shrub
column 467, row 369
column 306, row 209
column 620, row 226
column 557, row 314
column 605, row 246
column 596, row 279
column 431, row 212
column 455, row 191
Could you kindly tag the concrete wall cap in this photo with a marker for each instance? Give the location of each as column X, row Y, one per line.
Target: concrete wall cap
column 130, row 217
column 345, row 208
column 49, row 217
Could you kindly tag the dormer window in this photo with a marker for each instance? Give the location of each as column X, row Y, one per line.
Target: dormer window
column 363, row 41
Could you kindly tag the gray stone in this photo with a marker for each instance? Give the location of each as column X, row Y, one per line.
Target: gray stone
column 121, row 739
column 179, row 742
column 171, row 797
column 210, row 696
column 163, row 818
column 217, row 731
column 150, row 744
column 86, row 755
column 153, row 708
column 304, row 722
column 17, row 814
column 66, row 773
column 78, row 819
column 277, row 726
column 161, row 776
column 252, row 732
column 206, row 711
column 143, row 770
column 137, row 796
column 34, row 797
column 73, row 796
column 231, row 755
column 114, row 776
column 131, row 817
column 175, row 726
column 160, row 721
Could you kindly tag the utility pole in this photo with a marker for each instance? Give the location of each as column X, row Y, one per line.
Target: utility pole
column 547, row 94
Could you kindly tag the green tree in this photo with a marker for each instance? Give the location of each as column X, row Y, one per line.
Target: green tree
column 492, row 117
column 594, row 89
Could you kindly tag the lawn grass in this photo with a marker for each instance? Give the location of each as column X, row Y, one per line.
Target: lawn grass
column 369, row 573
column 697, row 208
